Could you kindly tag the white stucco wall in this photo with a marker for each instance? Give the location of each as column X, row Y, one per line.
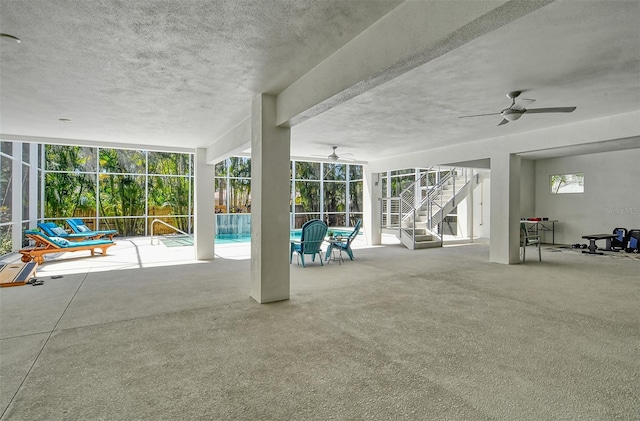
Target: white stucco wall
column 482, row 208
column 527, row 189
column 611, row 195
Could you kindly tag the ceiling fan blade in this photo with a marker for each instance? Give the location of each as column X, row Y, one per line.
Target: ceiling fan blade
column 550, row 110
column 329, row 159
column 504, row 121
column 478, row 115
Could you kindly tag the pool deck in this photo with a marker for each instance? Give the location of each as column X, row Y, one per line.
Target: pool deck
column 139, row 252
column 149, row 333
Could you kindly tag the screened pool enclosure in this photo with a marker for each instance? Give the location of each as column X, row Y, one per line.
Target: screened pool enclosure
column 127, row 190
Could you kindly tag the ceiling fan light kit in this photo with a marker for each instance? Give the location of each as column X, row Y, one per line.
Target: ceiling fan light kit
column 515, row 111
column 511, row 115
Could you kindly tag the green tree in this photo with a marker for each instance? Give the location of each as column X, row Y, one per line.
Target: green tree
column 307, row 188
column 67, row 188
column 122, row 194
column 172, row 186
column 239, row 184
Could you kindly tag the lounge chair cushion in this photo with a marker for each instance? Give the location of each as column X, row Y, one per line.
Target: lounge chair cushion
column 83, row 228
column 58, row 231
column 60, row 241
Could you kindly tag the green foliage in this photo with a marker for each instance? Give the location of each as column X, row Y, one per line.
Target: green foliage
column 72, row 173
column 335, row 197
column 307, row 192
column 238, row 169
column 355, row 196
column 69, row 188
column 5, row 240
column 173, row 193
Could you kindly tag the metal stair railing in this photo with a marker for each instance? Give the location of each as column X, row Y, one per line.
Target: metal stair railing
column 167, row 225
column 408, row 210
column 440, row 204
column 429, row 192
column 390, row 212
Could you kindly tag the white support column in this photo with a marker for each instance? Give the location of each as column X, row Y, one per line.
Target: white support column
column 34, row 188
column 204, row 214
column 371, row 206
column 469, row 207
column 505, row 209
column 16, row 197
column 270, row 194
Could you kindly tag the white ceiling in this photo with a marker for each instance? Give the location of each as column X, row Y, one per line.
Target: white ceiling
column 179, row 74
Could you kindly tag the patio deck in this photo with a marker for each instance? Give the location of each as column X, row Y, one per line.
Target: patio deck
column 394, row 335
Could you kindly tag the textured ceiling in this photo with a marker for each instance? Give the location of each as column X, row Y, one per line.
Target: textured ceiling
column 175, row 73
column 182, row 73
column 568, row 53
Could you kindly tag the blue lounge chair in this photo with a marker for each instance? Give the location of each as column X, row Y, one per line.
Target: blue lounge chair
column 78, row 226
column 346, row 246
column 53, row 230
column 45, row 245
column 311, row 239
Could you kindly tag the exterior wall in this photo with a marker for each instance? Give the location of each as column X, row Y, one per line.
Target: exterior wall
column 611, row 195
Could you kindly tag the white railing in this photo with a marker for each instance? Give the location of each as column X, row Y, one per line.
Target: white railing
column 167, row 225
column 433, row 192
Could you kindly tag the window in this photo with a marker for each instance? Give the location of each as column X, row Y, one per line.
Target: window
column 567, row 183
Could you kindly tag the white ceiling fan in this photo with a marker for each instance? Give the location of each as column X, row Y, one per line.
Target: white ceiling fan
column 515, row 111
column 337, row 158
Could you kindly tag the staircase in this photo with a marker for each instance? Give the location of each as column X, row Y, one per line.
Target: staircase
column 418, row 213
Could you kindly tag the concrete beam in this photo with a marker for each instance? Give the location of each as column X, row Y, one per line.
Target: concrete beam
column 412, row 34
column 232, row 143
column 91, row 143
column 581, row 136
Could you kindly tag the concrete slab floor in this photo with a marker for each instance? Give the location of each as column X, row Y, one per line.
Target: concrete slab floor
column 393, row 335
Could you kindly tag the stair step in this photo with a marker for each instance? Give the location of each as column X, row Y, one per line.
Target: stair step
column 417, row 222
column 423, row 237
column 427, row 244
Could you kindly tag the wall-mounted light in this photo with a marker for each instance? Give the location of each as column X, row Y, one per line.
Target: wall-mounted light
column 65, row 120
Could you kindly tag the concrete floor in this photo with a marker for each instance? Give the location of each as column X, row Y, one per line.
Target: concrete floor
column 438, row 334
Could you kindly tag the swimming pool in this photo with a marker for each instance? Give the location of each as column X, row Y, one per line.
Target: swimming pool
column 187, row 240
column 245, row 238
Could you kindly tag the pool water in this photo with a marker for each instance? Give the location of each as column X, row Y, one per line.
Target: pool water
column 245, row 238
column 181, row 240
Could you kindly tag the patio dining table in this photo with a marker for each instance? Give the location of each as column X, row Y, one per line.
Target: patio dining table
column 336, row 252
